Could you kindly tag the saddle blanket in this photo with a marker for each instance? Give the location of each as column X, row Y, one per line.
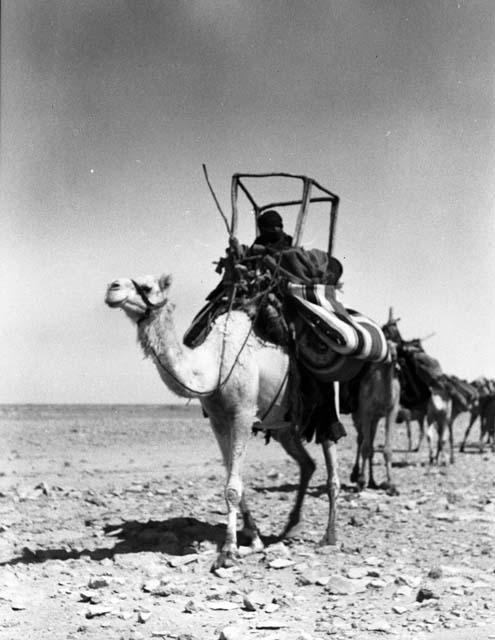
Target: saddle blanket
column 346, row 331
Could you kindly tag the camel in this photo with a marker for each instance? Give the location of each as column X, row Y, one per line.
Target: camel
column 435, row 415
column 378, row 397
column 440, row 418
column 484, row 409
column 239, row 380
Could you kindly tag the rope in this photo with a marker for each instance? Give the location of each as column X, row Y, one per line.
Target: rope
column 221, row 383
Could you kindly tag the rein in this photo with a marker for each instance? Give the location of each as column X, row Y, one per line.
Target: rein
column 150, row 306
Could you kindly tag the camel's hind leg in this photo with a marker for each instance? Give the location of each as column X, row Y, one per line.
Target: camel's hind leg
column 292, row 444
column 369, row 431
column 356, row 469
column 333, row 487
column 472, row 420
column 422, row 430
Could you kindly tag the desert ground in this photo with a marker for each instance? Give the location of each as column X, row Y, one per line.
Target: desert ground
column 110, row 519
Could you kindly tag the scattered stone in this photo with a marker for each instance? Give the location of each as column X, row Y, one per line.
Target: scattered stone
column 143, row 616
column 425, row 594
column 151, row 585
column 398, row 609
column 372, row 561
column 225, row 573
column 339, row 585
column 271, row 623
column 357, row 572
column 193, row 607
column 97, row 582
column 281, row 563
column 232, row 632
column 98, row 610
column 255, row 599
column 435, row 573
column 271, row 608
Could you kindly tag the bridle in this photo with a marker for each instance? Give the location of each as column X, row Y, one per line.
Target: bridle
column 150, row 306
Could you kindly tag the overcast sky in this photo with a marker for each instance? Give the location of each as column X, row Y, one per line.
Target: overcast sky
column 109, row 108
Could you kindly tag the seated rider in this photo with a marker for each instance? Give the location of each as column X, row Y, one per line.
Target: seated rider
column 319, row 400
column 272, row 235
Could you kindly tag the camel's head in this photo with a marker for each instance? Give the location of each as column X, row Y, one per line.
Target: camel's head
column 138, row 297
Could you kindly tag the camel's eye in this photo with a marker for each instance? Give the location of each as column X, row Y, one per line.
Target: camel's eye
column 146, row 288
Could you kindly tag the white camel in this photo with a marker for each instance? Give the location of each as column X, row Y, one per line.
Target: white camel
column 239, row 380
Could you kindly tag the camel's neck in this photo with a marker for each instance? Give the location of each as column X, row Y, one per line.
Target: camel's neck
column 185, row 371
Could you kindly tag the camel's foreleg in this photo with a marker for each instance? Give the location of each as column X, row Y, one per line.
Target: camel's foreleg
column 250, row 529
column 368, row 428
column 387, row 450
column 292, row 444
column 333, row 487
column 233, row 444
column 429, row 438
column 450, row 426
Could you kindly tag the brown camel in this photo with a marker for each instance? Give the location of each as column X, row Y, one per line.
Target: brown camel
column 484, row 409
column 240, row 380
column 378, row 398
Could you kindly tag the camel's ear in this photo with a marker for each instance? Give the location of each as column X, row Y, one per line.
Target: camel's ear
column 165, row 281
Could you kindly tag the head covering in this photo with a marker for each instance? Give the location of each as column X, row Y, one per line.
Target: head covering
column 270, row 219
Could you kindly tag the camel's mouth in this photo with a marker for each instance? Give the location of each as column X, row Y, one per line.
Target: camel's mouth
column 115, row 299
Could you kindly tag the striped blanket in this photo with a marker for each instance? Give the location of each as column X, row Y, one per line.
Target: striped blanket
column 345, row 331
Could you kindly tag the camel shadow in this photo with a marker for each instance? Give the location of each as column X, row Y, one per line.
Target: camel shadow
column 175, row 537
column 313, row 491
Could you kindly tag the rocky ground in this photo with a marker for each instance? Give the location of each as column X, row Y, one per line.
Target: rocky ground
column 110, row 520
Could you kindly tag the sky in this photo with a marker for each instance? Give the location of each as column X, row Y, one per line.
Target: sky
column 109, row 108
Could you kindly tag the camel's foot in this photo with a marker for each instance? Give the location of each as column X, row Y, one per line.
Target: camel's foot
column 328, row 540
column 355, row 475
column 293, row 531
column 250, row 537
column 416, row 449
column 373, row 486
column 462, row 447
column 256, row 544
column 389, row 488
column 224, row 560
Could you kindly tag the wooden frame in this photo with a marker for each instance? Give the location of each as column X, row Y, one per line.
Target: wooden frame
column 309, row 186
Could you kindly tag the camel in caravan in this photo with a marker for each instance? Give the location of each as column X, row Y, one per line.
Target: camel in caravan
column 239, row 380
column 436, row 410
column 378, row 398
column 484, row 409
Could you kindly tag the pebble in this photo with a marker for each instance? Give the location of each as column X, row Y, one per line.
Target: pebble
column 232, row 632
column 339, row 585
column 281, row 563
column 97, row 582
column 98, row 610
column 255, row 599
